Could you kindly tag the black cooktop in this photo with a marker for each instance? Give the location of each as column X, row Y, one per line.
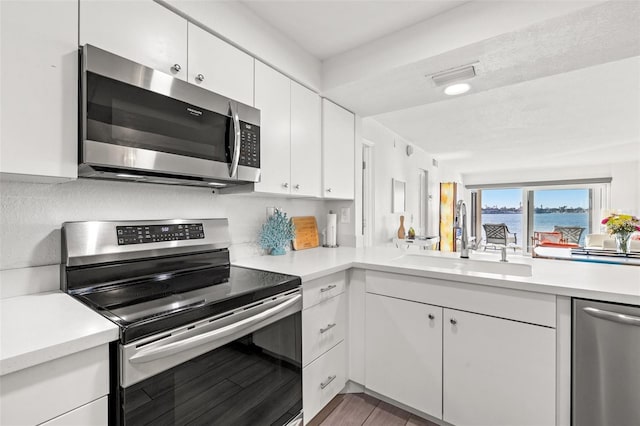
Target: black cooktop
column 163, row 301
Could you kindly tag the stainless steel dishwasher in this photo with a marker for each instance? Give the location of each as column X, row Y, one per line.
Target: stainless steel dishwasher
column 606, row 364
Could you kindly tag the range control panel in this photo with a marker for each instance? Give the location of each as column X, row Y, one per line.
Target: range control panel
column 141, row 234
column 249, row 145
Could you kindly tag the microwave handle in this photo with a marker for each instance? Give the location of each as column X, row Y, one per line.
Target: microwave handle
column 233, row 167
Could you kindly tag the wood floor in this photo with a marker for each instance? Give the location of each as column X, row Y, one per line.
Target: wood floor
column 356, row 409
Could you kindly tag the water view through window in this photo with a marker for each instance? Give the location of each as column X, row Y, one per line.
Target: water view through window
column 551, row 208
column 503, row 206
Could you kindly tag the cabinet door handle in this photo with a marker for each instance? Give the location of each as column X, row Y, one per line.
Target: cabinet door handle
column 327, row 288
column 286, row 184
column 432, row 317
column 326, row 382
column 176, row 67
column 297, row 186
column 200, row 78
column 328, row 189
column 327, row 328
column 453, row 321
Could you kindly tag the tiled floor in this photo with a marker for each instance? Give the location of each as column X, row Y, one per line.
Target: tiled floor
column 357, row 409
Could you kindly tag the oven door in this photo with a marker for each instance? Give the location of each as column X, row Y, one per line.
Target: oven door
column 242, row 367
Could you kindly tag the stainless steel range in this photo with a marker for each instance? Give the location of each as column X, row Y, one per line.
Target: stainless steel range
column 201, row 341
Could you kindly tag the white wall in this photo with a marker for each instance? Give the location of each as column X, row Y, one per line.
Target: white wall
column 32, row 214
column 237, row 24
column 391, row 162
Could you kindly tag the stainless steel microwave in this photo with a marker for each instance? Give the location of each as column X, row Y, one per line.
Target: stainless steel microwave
column 141, row 124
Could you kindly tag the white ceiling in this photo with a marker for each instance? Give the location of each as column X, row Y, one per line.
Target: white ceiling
column 587, row 116
column 562, row 92
column 327, row 28
column 588, row 37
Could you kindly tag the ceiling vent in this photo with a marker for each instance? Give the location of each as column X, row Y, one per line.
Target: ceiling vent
column 452, row 75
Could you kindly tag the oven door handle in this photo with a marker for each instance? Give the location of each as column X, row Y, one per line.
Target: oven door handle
column 163, row 351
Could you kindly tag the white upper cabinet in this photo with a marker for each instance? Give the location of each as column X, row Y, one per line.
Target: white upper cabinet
column 39, row 85
column 142, row 31
column 219, row 66
column 306, row 146
column 290, row 140
column 497, row 372
column 338, row 152
column 272, row 96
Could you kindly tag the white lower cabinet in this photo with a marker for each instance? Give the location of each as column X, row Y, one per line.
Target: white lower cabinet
column 91, row 414
column 425, row 349
column 403, row 355
column 323, row 379
column 322, row 289
column 323, row 326
column 45, row 392
column 324, row 350
column 497, row 372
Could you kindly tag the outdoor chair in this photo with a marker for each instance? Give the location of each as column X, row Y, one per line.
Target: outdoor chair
column 498, row 235
column 570, row 234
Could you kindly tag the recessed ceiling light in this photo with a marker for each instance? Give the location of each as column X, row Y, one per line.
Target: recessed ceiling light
column 457, row 89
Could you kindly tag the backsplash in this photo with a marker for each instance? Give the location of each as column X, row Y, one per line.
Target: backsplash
column 32, row 214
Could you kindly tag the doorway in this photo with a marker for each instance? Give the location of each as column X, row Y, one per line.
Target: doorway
column 368, row 201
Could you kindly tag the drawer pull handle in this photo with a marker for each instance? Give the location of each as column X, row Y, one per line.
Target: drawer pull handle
column 326, row 383
column 453, row 321
column 327, row 328
column 327, row 288
column 432, row 317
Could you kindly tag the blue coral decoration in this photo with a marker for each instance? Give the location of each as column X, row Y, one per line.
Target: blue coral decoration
column 276, row 233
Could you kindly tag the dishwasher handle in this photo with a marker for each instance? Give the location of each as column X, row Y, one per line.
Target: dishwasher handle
column 613, row 316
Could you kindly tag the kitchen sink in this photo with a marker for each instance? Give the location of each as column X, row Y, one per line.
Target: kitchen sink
column 465, row 265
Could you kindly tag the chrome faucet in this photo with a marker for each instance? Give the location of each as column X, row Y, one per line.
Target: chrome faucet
column 461, row 222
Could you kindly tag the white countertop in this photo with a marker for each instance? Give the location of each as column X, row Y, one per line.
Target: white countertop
column 41, row 327
column 614, row 283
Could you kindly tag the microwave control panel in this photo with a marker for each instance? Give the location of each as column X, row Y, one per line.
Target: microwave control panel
column 249, row 145
column 141, row 234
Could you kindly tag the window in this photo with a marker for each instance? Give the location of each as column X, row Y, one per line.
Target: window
column 550, row 208
column 526, row 210
column 502, row 206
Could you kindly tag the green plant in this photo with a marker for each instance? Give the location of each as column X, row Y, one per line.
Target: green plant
column 276, row 233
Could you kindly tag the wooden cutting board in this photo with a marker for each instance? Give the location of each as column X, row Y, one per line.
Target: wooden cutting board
column 306, row 232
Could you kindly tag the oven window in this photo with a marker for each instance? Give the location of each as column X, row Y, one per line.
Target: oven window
column 127, row 115
column 254, row 380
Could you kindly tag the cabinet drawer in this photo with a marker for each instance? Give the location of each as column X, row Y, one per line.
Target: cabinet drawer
column 323, row 326
column 316, row 291
column 92, row 414
column 322, row 380
column 42, row 392
column 525, row 306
